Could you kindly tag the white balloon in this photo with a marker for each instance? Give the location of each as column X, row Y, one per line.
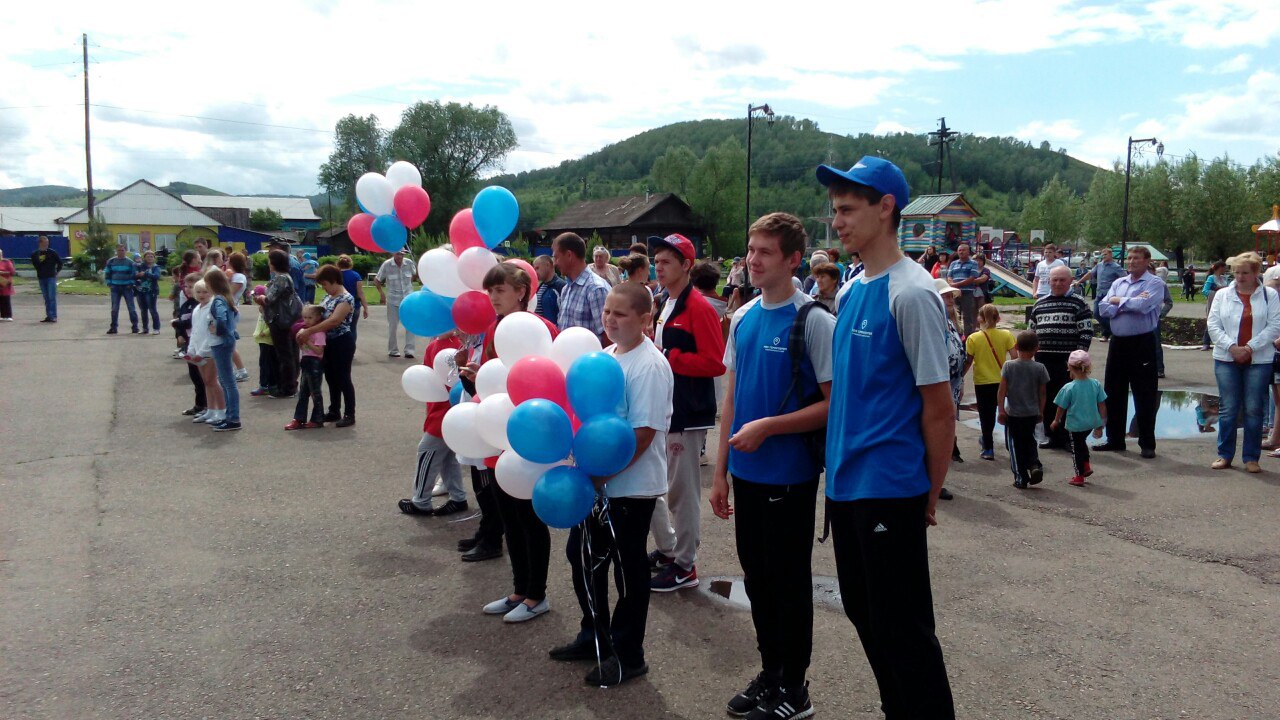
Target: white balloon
column 572, row 344
column 375, row 194
column 491, row 379
column 517, row 476
column 401, row 174
column 461, row 431
column 523, row 334
column 446, row 366
column 495, row 410
column 422, row 384
column 473, row 264
column 438, row 270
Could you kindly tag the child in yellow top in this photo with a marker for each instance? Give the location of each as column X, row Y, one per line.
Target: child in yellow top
column 987, row 349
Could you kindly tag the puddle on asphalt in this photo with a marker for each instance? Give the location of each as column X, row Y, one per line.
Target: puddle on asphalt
column 731, row 590
column 1183, row 413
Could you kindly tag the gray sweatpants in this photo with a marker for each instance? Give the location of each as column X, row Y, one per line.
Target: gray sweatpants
column 677, row 518
column 435, row 459
column 393, row 329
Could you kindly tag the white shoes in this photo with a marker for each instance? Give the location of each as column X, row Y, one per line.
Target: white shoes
column 439, row 490
column 200, row 416
column 501, row 606
column 215, row 417
column 408, row 354
column 242, row 375
column 523, row 612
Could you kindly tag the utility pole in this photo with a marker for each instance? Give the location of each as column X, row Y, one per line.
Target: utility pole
column 942, row 137
column 88, row 162
column 751, row 111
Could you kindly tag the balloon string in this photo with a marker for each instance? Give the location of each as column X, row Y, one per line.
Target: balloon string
column 590, row 564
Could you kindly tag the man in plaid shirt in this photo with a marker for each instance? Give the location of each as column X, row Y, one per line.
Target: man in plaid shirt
column 582, row 299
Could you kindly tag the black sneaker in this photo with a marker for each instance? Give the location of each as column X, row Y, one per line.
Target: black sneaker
column 193, row 410
column 658, row 561
column 347, row 421
column 759, row 690
column 1037, row 474
column 1020, row 484
column 112, row 331
column 786, row 704
column 408, row 508
column 451, row 507
column 226, row 426
column 580, row 649
column 612, row 673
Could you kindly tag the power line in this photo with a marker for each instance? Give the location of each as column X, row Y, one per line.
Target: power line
column 213, row 119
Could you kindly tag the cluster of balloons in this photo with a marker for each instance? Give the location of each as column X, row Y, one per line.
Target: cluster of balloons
column 545, row 415
column 391, row 205
column 452, row 294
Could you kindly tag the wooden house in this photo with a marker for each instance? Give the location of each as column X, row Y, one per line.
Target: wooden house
column 941, row 221
column 622, row 221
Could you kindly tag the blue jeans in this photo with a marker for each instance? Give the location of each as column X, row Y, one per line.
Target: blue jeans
column 49, row 289
column 126, row 292
column 227, row 377
column 147, row 305
column 1240, row 386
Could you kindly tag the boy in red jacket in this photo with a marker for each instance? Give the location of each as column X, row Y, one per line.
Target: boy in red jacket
column 689, row 335
column 434, row 457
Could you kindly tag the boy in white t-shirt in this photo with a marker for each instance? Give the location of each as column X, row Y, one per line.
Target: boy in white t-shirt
column 618, row 527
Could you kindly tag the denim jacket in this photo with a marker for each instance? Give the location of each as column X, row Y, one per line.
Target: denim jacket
column 224, row 318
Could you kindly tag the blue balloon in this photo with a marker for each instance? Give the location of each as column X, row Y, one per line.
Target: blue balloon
column 495, row 212
column 426, row 314
column 455, row 395
column 596, row 385
column 540, row 432
column 363, row 209
column 389, row 233
column 604, row 445
column 563, row 497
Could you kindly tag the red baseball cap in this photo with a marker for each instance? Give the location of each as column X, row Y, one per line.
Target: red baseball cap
column 680, row 244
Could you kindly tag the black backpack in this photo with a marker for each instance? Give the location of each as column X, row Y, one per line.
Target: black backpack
column 815, row 441
column 287, row 311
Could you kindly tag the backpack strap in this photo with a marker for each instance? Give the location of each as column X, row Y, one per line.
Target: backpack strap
column 796, row 348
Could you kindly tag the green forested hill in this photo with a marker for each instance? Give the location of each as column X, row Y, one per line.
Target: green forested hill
column 997, row 174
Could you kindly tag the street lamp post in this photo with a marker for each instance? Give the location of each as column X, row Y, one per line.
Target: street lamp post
column 1128, row 168
column 766, row 111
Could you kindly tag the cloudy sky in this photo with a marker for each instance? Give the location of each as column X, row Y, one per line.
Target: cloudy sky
column 243, row 96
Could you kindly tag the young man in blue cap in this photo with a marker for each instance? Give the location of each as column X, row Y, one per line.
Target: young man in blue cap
column 890, row 432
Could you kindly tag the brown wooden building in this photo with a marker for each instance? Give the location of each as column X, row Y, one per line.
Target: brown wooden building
column 622, row 221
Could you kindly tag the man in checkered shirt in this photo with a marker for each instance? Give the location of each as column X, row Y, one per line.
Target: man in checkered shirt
column 582, row 298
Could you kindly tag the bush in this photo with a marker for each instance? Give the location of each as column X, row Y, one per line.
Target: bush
column 84, row 266
column 260, row 270
column 363, row 264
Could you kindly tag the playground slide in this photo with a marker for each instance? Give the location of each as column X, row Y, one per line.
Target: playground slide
column 1005, row 277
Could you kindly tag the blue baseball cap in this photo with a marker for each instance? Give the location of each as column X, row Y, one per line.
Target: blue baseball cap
column 874, row 172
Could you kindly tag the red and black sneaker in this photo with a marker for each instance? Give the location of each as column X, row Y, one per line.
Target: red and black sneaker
column 658, row 561
column 673, row 577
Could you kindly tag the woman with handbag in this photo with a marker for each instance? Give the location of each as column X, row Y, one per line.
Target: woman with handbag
column 987, row 349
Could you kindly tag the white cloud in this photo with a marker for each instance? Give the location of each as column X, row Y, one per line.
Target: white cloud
column 886, row 127
column 572, row 80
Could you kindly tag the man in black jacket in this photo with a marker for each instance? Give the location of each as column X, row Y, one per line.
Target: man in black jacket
column 689, row 335
column 47, row 265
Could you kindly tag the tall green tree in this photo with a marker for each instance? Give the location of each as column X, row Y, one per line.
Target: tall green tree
column 98, row 243
column 358, row 148
column 1101, row 217
column 671, row 172
column 718, row 196
column 1056, row 210
column 451, row 144
column 1225, row 217
column 265, row 219
column 1189, row 206
column 1151, row 216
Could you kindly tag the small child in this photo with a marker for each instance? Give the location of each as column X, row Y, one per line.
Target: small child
column 312, row 352
column 435, row 459
column 199, row 354
column 182, row 329
column 1081, row 407
column 267, row 384
column 630, row 496
column 988, row 350
column 1023, row 384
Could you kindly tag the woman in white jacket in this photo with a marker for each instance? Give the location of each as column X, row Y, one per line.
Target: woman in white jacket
column 1244, row 321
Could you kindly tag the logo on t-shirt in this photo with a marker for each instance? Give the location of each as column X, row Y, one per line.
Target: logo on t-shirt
column 862, row 331
column 776, row 346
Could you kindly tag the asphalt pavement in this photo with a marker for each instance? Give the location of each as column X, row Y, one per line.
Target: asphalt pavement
column 151, row 568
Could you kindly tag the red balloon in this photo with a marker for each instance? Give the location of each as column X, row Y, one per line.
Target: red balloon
column 412, row 205
column 533, row 274
column 473, row 313
column 359, row 228
column 463, row 233
column 534, row 376
column 491, row 462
